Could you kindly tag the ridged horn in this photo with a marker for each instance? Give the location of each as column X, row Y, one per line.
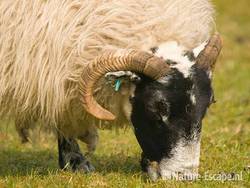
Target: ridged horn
column 117, row 60
column 208, row 56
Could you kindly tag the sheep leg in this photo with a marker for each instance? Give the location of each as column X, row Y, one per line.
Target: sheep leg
column 70, row 156
column 91, row 138
column 22, row 128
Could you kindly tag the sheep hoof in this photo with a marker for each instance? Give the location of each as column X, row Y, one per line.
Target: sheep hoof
column 70, row 156
column 78, row 163
column 85, row 166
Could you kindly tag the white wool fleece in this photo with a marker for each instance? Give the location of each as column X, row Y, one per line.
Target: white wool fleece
column 45, row 45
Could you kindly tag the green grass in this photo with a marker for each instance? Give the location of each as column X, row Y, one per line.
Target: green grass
column 225, row 138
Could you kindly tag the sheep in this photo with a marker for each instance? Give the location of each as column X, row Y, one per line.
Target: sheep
column 48, row 47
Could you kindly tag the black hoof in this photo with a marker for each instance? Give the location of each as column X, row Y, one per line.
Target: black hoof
column 78, row 163
column 71, row 158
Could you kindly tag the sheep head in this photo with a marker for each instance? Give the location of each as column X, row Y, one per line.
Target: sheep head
column 168, row 104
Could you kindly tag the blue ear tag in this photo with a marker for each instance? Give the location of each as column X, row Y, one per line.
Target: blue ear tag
column 117, row 84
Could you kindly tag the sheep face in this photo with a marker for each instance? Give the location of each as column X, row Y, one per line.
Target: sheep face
column 167, row 118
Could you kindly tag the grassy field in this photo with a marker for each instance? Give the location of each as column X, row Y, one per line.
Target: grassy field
column 225, row 139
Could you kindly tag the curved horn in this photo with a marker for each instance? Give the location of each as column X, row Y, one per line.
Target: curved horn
column 208, row 56
column 111, row 61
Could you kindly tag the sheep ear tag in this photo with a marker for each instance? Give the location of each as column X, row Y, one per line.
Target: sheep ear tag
column 117, row 78
column 117, row 85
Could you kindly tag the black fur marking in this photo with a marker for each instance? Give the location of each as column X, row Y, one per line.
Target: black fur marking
column 71, row 157
column 190, row 55
column 144, row 163
column 155, row 102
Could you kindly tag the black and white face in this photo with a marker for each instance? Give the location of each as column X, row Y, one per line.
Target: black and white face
column 167, row 114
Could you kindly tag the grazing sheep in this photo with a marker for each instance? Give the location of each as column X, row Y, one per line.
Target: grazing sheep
column 54, row 55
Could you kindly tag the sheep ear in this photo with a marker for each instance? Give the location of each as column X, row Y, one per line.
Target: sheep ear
column 123, row 75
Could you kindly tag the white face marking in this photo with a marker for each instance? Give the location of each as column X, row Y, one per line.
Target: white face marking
column 185, row 160
column 184, row 68
column 193, row 99
column 170, row 50
column 174, row 52
column 192, row 96
column 164, row 118
column 199, row 48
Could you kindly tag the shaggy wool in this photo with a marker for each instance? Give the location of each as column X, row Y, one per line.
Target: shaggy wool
column 45, row 45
